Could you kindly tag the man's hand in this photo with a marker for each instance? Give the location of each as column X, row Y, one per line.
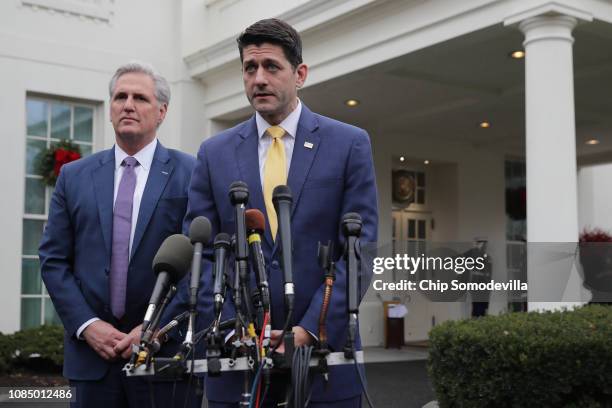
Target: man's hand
column 124, row 347
column 300, row 337
column 103, row 337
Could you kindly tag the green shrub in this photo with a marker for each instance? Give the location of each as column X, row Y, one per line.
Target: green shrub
column 552, row 359
column 39, row 348
column 6, row 352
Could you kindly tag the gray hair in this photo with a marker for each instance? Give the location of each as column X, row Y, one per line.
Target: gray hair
column 162, row 89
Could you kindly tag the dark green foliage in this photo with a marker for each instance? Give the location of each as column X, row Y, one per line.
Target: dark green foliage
column 40, row 348
column 553, row 359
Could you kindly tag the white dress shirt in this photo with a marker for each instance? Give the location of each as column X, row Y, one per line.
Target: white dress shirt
column 145, row 159
column 290, row 125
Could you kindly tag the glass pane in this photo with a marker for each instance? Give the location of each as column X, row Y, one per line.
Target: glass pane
column 60, row 121
column 33, row 148
column 36, row 112
column 85, row 149
column 83, row 124
column 30, row 313
column 411, row 232
column 51, row 316
column 32, row 232
column 421, row 229
column 420, row 196
column 420, row 179
column 35, row 196
column 30, row 277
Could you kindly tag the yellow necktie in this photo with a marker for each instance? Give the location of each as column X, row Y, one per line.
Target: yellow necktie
column 275, row 173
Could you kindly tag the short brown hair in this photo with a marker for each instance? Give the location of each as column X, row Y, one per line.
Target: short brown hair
column 273, row 31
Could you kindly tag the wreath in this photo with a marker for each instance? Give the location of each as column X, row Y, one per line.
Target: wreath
column 51, row 160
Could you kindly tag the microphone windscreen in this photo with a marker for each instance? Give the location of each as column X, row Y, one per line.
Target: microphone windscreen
column 239, row 192
column 351, row 217
column 222, row 239
column 174, row 257
column 200, row 230
column 280, row 193
column 255, row 220
column 351, row 224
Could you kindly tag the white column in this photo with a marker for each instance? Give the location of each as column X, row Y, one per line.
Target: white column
column 552, row 203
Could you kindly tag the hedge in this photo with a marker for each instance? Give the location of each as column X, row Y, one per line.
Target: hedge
column 552, row 359
column 40, row 348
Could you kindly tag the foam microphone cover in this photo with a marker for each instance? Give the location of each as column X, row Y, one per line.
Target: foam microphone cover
column 222, row 239
column 281, row 193
column 200, row 230
column 351, row 224
column 174, row 257
column 255, row 220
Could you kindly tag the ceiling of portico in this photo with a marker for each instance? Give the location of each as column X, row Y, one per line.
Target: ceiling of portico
column 443, row 92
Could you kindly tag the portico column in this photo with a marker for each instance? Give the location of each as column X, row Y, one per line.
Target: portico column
column 552, row 202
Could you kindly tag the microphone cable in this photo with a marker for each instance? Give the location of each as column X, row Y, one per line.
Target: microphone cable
column 362, row 382
column 300, row 376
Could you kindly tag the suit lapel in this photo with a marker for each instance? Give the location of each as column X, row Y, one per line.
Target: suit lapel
column 304, row 152
column 247, row 157
column 159, row 174
column 103, row 182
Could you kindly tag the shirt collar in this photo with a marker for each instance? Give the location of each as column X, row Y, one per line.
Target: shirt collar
column 144, row 155
column 290, row 123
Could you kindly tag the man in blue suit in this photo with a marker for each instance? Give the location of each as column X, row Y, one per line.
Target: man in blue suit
column 328, row 167
column 109, row 214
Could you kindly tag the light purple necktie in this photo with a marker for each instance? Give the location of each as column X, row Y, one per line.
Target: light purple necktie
column 122, row 228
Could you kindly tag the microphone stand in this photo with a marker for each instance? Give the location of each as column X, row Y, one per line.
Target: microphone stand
column 351, row 227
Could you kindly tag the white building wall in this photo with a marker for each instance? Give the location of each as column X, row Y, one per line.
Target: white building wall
column 595, row 197
column 59, row 54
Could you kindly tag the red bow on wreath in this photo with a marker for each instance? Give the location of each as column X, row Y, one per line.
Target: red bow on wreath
column 62, row 157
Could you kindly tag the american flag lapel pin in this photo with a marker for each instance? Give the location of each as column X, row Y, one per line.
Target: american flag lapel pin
column 308, row 145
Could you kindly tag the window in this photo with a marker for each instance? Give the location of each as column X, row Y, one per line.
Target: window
column 48, row 121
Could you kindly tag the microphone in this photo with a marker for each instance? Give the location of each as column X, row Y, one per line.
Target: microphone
column 199, row 234
column 239, row 197
column 162, row 334
column 170, row 264
column 256, row 224
column 282, row 199
column 351, row 228
column 222, row 247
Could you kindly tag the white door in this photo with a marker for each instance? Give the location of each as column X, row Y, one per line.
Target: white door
column 411, row 230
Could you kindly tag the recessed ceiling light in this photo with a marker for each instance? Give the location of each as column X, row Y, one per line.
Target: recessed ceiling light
column 485, row 125
column 592, row 142
column 402, row 159
column 426, row 162
column 351, row 103
column 518, row 54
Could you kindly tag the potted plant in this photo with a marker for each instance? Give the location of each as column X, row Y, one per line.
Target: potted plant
column 595, row 250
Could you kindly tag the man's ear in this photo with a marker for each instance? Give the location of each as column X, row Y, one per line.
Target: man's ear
column 302, row 73
column 163, row 109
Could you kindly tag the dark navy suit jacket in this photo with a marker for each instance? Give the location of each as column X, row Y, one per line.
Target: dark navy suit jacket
column 333, row 177
column 75, row 250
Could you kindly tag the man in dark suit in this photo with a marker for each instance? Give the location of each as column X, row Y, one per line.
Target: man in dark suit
column 109, row 214
column 328, row 167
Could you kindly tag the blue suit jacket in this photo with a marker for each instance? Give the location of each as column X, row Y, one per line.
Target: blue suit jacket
column 75, row 250
column 332, row 178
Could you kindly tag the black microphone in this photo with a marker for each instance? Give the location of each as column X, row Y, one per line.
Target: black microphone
column 199, row 234
column 222, row 247
column 282, row 199
column 351, row 228
column 239, row 197
column 170, row 264
column 256, row 224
